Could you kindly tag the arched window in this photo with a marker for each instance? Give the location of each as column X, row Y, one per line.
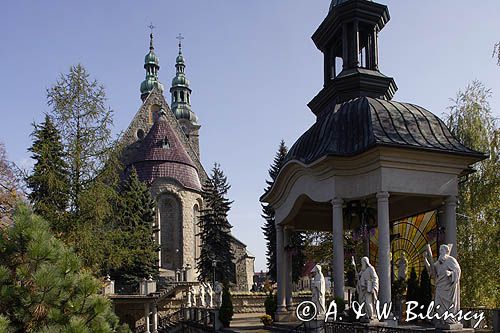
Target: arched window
column 170, row 216
column 182, row 96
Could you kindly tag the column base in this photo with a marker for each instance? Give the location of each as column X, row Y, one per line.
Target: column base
column 284, row 316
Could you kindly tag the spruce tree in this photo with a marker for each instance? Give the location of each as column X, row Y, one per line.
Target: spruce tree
column 297, row 240
column 49, row 182
column 215, row 230
column 135, row 220
column 424, row 290
column 42, row 285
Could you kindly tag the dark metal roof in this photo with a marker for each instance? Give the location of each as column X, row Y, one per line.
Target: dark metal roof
column 362, row 123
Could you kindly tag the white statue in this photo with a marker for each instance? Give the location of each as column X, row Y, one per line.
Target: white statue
column 402, row 264
column 191, row 298
column 208, row 295
column 367, row 287
column 218, row 289
column 446, row 272
column 201, row 295
column 318, row 290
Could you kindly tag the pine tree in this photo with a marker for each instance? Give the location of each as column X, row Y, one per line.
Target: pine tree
column 297, row 240
column 49, row 182
column 215, row 230
column 42, row 286
column 135, row 221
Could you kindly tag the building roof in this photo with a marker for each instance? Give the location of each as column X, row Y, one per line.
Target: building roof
column 161, row 154
column 364, row 122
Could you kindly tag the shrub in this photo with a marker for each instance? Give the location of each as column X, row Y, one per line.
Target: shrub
column 226, row 308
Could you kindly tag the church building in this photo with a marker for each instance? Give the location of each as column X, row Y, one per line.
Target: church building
column 162, row 144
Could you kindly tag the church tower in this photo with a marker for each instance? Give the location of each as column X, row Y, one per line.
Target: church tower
column 152, row 66
column 181, row 101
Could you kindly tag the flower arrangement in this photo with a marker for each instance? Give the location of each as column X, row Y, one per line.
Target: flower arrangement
column 267, row 320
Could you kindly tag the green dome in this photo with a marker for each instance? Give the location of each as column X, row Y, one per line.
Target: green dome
column 187, row 114
column 148, row 85
column 179, row 59
column 180, row 80
column 151, row 59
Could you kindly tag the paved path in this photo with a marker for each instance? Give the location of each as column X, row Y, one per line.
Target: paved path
column 247, row 323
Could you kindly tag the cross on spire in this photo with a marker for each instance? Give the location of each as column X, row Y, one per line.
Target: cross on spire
column 180, row 38
column 151, row 27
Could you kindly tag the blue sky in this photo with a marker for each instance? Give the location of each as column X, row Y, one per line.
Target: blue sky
column 252, row 66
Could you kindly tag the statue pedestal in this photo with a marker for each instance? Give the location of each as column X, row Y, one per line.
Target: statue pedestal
column 452, row 328
column 284, row 316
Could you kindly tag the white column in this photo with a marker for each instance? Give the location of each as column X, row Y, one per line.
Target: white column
column 155, row 319
column 146, row 317
column 289, row 276
column 384, row 247
column 280, row 269
column 338, row 248
column 450, row 223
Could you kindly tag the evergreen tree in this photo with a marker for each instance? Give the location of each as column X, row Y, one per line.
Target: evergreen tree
column 478, row 228
column 215, row 230
column 79, row 111
column 42, row 286
column 412, row 287
column 135, row 219
column 297, row 240
column 49, row 183
column 425, row 290
column 9, row 188
column 226, row 309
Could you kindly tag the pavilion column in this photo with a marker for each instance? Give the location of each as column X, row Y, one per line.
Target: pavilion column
column 289, row 277
column 450, row 223
column 384, row 247
column 338, row 248
column 146, row 317
column 155, row 319
column 280, row 269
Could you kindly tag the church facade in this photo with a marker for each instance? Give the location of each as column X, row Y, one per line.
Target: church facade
column 162, row 144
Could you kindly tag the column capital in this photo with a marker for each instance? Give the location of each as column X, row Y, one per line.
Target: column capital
column 383, row 195
column 451, row 200
column 279, row 227
column 337, row 201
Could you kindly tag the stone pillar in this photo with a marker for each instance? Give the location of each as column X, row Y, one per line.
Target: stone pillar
column 280, row 269
column 450, row 223
column 384, row 247
column 338, row 248
column 155, row 319
column 289, row 276
column 146, row 317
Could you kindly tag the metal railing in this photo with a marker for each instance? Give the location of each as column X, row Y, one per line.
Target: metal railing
column 342, row 327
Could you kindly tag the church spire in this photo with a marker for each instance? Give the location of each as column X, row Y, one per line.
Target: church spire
column 152, row 66
column 181, row 101
column 181, row 93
